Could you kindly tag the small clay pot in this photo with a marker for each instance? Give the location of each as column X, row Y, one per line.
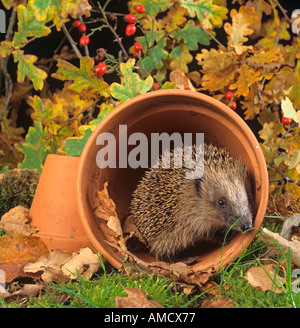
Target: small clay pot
column 169, row 111
column 54, row 210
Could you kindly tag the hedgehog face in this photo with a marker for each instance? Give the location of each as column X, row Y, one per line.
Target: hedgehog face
column 232, row 204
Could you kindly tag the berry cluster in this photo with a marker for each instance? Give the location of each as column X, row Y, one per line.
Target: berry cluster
column 229, row 95
column 131, row 28
column 84, row 40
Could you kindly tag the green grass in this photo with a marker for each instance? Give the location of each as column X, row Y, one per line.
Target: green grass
column 102, row 289
column 100, row 292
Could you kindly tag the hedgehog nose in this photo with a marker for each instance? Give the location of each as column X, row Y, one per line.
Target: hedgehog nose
column 246, row 226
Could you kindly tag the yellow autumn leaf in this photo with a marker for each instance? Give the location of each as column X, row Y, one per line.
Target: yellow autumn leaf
column 240, row 27
column 218, row 67
column 246, row 77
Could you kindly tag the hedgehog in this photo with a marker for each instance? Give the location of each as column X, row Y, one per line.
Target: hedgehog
column 172, row 213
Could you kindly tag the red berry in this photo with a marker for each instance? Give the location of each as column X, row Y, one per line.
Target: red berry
column 76, row 23
column 155, row 86
column 100, row 69
column 139, row 9
column 187, row 88
column 130, row 29
column 135, row 54
column 138, row 47
column 82, row 28
column 233, row 105
column 130, row 18
column 84, row 40
column 286, row 121
column 112, row 17
column 229, row 95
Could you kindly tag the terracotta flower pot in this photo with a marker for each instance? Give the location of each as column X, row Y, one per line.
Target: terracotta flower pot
column 54, row 210
column 169, row 111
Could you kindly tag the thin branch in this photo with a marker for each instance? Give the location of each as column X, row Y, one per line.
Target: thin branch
column 279, row 144
column 283, row 11
column 114, row 33
column 88, row 108
column 289, row 179
column 73, row 44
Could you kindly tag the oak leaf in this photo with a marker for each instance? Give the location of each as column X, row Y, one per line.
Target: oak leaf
column 219, row 302
column 239, row 29
column 265, row 278
column 85, row 264
column 209, row 14
column 131, row 84
column 152, row 6
column 28, row 26
column 50, row 266
column 35, row 148
column 260, row 7
column 280, row 244
column 219, row 68
column 179, row 58
column 75, row 8
column 175, row 18
column 18, row 250
column 136, row 299
column 83, row 78
column 191, row 35
column 27, row 68
column 16, row 221
column 246, row 77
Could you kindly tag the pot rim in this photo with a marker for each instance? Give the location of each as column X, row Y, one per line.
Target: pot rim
column 204, row 99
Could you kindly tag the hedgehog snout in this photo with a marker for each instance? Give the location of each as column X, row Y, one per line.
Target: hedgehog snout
column 246, row 226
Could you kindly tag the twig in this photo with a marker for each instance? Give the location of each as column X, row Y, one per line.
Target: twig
column 275, row 167
column 74, row 117
column 114, row 33
column 68, row 36
column 279, row 144
column 283, row 11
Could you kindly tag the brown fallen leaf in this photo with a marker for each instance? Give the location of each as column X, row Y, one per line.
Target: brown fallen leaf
column 264, row 278
column 218, row 302
column 279, row 244
column 85, row 264
column 50, row 266
column 60, row 266
column 289, row 226
column 28, row 290
column 18, row 250
column 16, row 221
column 136, row 299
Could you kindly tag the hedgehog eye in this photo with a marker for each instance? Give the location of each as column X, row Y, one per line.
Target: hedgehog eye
column 222, row 202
